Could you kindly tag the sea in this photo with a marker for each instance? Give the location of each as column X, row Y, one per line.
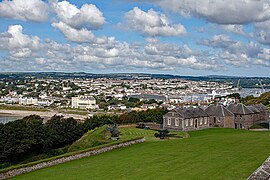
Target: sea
column 5, row 118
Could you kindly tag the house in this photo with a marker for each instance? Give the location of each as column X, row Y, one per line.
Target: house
column 243, row 116
column 83, row 102
column 237, row 116
column 186, row 119
column 255, row 115
column 263, row 112
column 220, row 116
column 28, row 101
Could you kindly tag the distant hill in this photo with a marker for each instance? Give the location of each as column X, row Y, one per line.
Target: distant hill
column 245, row 82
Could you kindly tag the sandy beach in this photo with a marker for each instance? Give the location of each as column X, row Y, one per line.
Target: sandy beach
column 45, row 115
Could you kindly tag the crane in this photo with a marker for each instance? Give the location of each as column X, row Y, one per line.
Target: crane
column 238, row 85
column 263, row 90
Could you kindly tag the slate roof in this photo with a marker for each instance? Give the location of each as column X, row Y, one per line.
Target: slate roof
column 260, row 107
column 239, row 109
column 219, row 111
column 253, row 109
column 191, row 112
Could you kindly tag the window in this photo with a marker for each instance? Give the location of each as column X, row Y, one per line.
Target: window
column 176, row 122
column 187, row 122
column 169, row 121
column 201, row 121
column 205, row 120
column 191, row 122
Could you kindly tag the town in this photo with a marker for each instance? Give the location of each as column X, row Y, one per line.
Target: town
column 111, row 94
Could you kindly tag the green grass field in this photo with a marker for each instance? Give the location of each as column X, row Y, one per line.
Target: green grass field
column 207, row 154
column 22, row 108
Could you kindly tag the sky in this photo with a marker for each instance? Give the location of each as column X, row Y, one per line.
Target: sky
column 181, row 37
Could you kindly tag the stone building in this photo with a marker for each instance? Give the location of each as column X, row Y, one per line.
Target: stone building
column 243, row 116
column 186, row 119
column 263, row 112
column 220, row 116
column 237, row 116
column 255, row 115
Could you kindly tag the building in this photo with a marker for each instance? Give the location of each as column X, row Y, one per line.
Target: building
column 243, row 116
column 238, row 116
column 28, row 101
column 83, row 102
column 186, row 119
column 220, row 116
column 263, row 112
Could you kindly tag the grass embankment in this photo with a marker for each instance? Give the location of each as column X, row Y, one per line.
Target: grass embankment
column 93, row 139
column 90, row 139
column 98, row 137
column 22, row 108
column 207, row 154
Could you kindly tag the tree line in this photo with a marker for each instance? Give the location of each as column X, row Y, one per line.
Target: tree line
column 31, row 136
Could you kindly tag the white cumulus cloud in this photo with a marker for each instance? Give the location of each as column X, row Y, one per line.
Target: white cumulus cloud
column 88, row 16
column 14, row 38
column 74, row 35
column 221, row 11
column 27, row 10
column 152, row 23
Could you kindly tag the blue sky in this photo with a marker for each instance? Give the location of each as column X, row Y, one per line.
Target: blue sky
column 189, row 37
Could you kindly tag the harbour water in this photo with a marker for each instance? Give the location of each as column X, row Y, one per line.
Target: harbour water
column 5, row 118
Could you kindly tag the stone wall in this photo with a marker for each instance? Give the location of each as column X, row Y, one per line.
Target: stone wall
column 263, row 172
column 15, row 172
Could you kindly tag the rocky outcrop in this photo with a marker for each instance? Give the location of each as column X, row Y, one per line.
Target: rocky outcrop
column 263, row 172
column 15, row 172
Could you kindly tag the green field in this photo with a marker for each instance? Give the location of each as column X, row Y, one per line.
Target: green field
column 207, row 154
column 22, row 108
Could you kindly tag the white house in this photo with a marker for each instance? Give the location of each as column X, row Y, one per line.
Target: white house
column 83, row 102
column 28, row 101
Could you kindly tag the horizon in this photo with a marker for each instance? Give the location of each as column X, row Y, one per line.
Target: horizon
column 184, row 38
column 114, row 73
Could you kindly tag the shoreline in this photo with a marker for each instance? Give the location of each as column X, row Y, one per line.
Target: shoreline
column 45, row 115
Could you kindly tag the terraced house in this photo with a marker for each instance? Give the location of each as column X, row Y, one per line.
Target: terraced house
column 237, row 116
column 220, row 116
column 186, row 119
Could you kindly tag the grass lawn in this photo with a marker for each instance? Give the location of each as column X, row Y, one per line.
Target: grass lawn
column 21, row 108
column 207, row 154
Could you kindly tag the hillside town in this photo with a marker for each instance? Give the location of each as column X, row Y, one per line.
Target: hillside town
column 112, row 94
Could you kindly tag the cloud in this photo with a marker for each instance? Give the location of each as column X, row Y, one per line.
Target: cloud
column 88, row 16
column 154, row 47
column 15, row 39
column 238, row 53
column 225, row 43
column 74, row 35
column 29, row 53
column 262, row 32
column 234, row 28
column 34, row 10
column 77, row 24
column 265, row 54
column 152, row 23
column 221, row 11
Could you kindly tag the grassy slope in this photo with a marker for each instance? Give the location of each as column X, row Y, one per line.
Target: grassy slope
column 90, row 139
column 208, row 154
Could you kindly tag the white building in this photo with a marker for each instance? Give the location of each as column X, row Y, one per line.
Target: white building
column 83, row 102
column 28, row 101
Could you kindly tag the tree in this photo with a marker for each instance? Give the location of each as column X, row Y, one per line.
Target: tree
column 63, row 131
